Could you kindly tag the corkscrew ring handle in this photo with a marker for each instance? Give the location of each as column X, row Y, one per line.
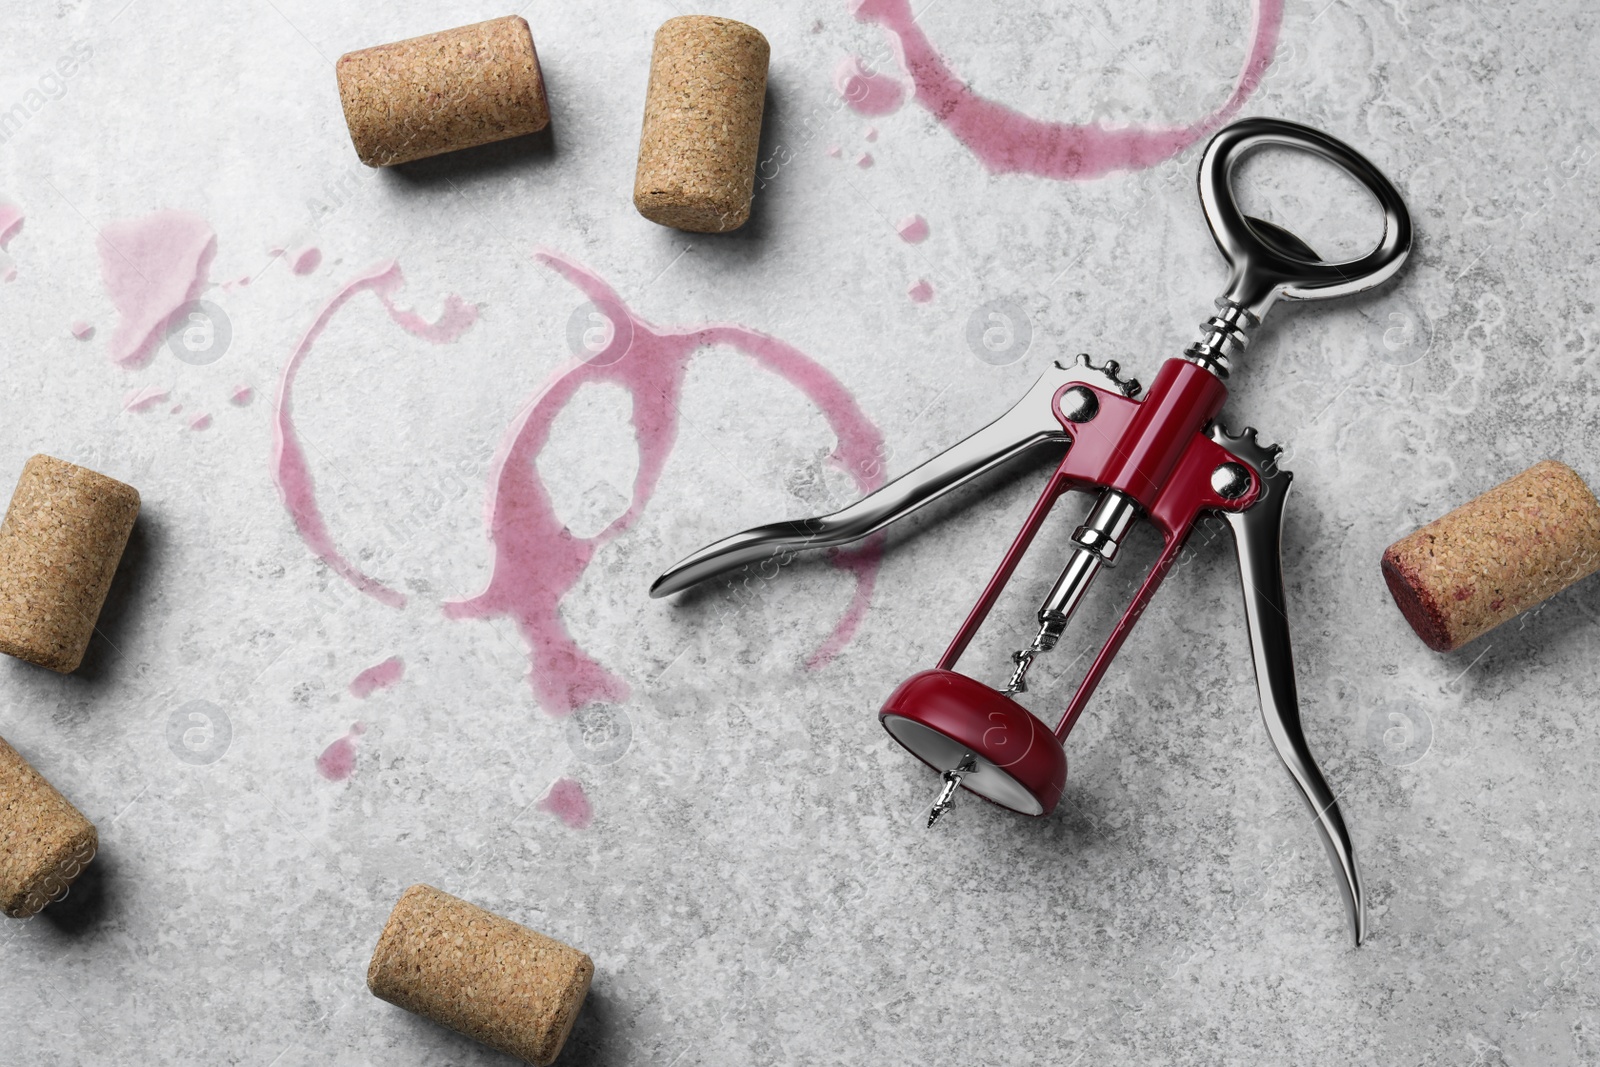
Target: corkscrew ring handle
column 1267, row 261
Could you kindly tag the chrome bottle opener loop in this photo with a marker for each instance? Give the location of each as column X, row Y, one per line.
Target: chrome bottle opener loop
column 1267, row 262
column 1161, row 459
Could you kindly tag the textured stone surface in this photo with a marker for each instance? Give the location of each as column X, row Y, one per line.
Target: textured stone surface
column 756, row 886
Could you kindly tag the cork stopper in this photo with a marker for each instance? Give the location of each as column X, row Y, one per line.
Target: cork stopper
column 1495, row 556
column 702, row 124
column 489, row 978
column 60, row 543
column 45, row 842
column 443, row 91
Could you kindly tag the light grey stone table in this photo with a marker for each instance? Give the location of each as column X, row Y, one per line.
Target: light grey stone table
column 755, row 885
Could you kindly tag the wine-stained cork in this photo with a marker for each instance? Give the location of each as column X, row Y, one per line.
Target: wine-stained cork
column 702, row 124
column 455, row 89
column 1495, row 556
column 60, row 543
column 45, row 842
column 489, row 978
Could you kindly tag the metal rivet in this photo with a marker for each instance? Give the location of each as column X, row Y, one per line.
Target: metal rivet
column 1230, row 480
column 1079, row 404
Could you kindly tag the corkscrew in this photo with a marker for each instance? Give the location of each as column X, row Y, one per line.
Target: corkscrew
column 1161, row 458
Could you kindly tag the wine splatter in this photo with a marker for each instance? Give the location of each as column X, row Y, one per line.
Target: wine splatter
column 152, row 266
column 82, row 330
column 289, row 468
column 200, row 422
column 378, row 676
column 867, row 92
column 1007, row 141
column 913, row 229
column 920, row 292
column 11, row 220
column 835, row 151
column 870, row 133
column 537, row 560
column 338, row 760
column 241, row 396
column 567, row 801
column 306, row 260
column 146, row 398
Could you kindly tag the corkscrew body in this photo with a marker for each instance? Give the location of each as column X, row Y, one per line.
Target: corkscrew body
column 1158, row 456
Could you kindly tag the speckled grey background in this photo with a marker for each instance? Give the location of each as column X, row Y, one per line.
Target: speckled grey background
column 756, row 886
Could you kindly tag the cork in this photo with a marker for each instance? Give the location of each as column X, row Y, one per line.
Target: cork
column 489, row 978
column 45, row 842
column 702, row 124
column 443, row 91
column 60, row 543
column 1495, row 556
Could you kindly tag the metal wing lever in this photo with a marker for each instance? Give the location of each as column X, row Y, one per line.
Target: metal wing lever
column 1031, row 421
column 1258, row 536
